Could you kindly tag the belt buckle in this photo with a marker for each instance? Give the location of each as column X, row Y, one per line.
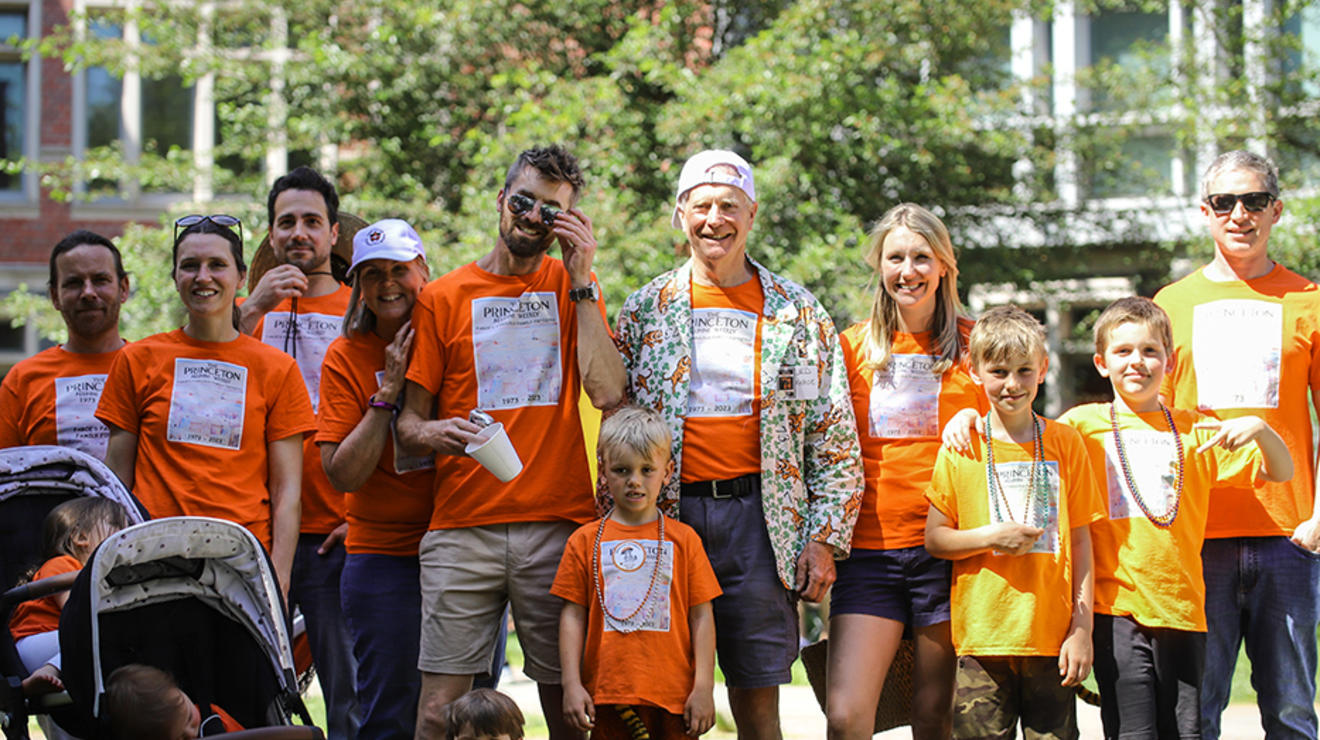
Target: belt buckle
column 715, row 490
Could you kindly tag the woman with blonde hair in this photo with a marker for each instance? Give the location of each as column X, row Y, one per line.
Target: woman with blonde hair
column 907, row 373
column 388, row 492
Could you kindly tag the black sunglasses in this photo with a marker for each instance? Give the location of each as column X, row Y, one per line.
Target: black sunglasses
column 219, row 219
column 520, row 204
column 1256, row 202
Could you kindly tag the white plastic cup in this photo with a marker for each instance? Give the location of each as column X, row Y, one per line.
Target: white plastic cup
column 494, row 450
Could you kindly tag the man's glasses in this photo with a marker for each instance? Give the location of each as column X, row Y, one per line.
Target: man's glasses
column 219, row 219
column 520, row 204
column 1223, row 203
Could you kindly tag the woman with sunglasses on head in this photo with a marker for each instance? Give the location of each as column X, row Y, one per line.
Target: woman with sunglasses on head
column 204, row 420
column 389, row 492
column 908, row 375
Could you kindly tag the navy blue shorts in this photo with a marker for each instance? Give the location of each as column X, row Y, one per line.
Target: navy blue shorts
column 756, row 628
column 907, row 585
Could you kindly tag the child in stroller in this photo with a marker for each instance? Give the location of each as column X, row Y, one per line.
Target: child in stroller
column 71, row 532
column 193, row 596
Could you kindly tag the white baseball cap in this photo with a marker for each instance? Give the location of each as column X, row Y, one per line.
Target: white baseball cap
column 700, row 169
column 387, row 239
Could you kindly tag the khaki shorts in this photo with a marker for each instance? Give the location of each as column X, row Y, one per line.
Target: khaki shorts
column 467, row 577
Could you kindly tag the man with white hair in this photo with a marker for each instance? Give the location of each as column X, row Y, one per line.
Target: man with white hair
column 746, row 369
column 1246, row 335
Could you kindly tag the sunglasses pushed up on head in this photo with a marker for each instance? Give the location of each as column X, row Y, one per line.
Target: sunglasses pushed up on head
column 219, row 219
column 520, row 204
column 1223, row 203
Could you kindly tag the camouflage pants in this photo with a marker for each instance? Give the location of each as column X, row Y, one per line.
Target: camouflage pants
column 994, row 693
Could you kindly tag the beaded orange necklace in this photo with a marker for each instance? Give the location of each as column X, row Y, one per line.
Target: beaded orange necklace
column 621, row 623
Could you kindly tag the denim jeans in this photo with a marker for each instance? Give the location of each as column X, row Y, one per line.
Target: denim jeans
column 314, row 589
column 383, row 611
column 1264, row 591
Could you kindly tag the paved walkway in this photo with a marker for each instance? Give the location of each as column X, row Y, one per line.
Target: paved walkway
column 803, row 720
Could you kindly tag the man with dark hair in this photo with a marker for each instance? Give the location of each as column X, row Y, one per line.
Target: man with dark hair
column 51, row 397
column 1246, row 341
column 298, row 306
column 518, row 335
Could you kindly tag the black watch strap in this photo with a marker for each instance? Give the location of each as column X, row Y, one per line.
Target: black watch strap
column 586, row 293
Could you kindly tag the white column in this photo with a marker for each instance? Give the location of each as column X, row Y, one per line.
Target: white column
column 130, row 105
column 1072, row 51
column 277, row 109
column 203, row 115
column 1255, row 14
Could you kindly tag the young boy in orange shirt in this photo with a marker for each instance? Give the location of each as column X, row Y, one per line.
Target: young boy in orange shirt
column 637, row 633
column 1158, row 466
column 1013, row 514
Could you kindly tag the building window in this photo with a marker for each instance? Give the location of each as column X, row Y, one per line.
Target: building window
column 13, row 91
column 144, row 117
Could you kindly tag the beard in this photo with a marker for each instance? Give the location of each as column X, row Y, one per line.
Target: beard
column 309, row 263
column 522, row 245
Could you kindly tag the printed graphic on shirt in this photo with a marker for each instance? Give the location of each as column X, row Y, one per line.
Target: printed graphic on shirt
column 723, row 367
column 1041, row 510
column 515, row 346
column 403, row 463
column 76, row 424
column 207, row 403
column 305, row 338
column 627, row 567
column 905, row 398
column 1236, row 349
column 1154, row 465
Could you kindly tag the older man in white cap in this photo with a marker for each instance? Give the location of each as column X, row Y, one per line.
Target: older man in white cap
column 746, row 369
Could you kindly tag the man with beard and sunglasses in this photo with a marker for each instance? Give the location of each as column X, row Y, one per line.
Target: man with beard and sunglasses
column 298, row 306
column 1246, row 335
column 51, row 397
column 518, row 335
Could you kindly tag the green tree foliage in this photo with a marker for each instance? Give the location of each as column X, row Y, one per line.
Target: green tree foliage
column 845, row 107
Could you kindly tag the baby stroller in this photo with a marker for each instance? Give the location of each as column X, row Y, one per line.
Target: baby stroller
column 34, row 480
column 194, row 596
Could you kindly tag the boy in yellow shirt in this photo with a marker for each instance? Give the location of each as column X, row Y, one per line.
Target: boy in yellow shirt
column 1157, row 465
column 1013, row 515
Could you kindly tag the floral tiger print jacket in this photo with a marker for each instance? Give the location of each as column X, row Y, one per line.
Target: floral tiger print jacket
column 811, row 470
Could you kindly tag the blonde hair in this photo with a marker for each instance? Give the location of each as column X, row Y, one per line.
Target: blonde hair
column 883, row 322
column 359, row 319
column 636, row 429
column 1133, row 310
column 1004, row 334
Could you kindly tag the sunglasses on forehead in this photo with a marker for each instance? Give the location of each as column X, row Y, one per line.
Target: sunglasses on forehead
column 219, row 219
column 1222, row 203
column 520, row 204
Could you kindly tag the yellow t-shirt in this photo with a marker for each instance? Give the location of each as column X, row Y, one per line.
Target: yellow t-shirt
column 1016, row 605
column 1250, row 347
column 1144, row 571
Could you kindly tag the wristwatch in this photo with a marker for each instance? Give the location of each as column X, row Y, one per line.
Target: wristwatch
column 590, row 292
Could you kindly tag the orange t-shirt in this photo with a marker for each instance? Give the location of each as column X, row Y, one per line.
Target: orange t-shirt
column 50, row 399
column 42, row 615
column 900, row 412
column 389, row 513
column 1250, row 348
column 1148, row 572
column 1016, row 605
column 652, row 665
column 203, row 413
column 722, row 428
column 317, row 325
column 506, row 344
